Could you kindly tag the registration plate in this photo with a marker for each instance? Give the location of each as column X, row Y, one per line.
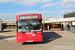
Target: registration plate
column 29, row 41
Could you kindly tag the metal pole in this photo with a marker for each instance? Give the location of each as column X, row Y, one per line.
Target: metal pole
column 53, row 26
column 8, row 23
column 65, row 26
column 0, row 25
column 43, row 27
column 61, row 26
column 11, row 18
column 71, row 27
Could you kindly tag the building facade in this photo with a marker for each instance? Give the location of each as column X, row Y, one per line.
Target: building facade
column 72, row 24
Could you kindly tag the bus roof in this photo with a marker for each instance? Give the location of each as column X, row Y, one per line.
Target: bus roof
column 28, row 14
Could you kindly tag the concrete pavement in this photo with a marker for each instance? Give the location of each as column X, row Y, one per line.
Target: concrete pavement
column 58, row 40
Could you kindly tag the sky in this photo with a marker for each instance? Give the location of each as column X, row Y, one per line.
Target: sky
column 48, row 8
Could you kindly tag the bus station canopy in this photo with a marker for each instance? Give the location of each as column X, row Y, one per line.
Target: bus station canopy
column 53, row 20
column 45, row 20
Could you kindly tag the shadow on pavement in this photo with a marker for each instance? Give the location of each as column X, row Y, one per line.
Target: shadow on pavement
column 4, row 37
column 4, row 31
column 48, row 37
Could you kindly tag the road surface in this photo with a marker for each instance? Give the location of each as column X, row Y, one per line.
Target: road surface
column 58, row 40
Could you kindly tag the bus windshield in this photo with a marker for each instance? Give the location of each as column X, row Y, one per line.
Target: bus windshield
column 29, row 25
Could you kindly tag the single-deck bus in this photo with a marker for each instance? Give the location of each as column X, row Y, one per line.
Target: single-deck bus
column 29, row 28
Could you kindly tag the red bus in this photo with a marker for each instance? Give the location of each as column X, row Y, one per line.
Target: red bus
column 29, row 28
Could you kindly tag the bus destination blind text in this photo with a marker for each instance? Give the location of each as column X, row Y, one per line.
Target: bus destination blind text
column 29, row 17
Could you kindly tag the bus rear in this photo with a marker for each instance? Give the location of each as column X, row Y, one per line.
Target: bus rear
column 29, row 28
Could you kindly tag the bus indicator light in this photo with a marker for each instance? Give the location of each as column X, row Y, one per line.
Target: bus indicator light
column 33, row 34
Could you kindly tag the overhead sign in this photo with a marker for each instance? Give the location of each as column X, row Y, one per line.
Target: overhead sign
column 29, row 17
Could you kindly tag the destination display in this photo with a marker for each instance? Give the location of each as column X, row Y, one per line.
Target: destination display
column 29, row 17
